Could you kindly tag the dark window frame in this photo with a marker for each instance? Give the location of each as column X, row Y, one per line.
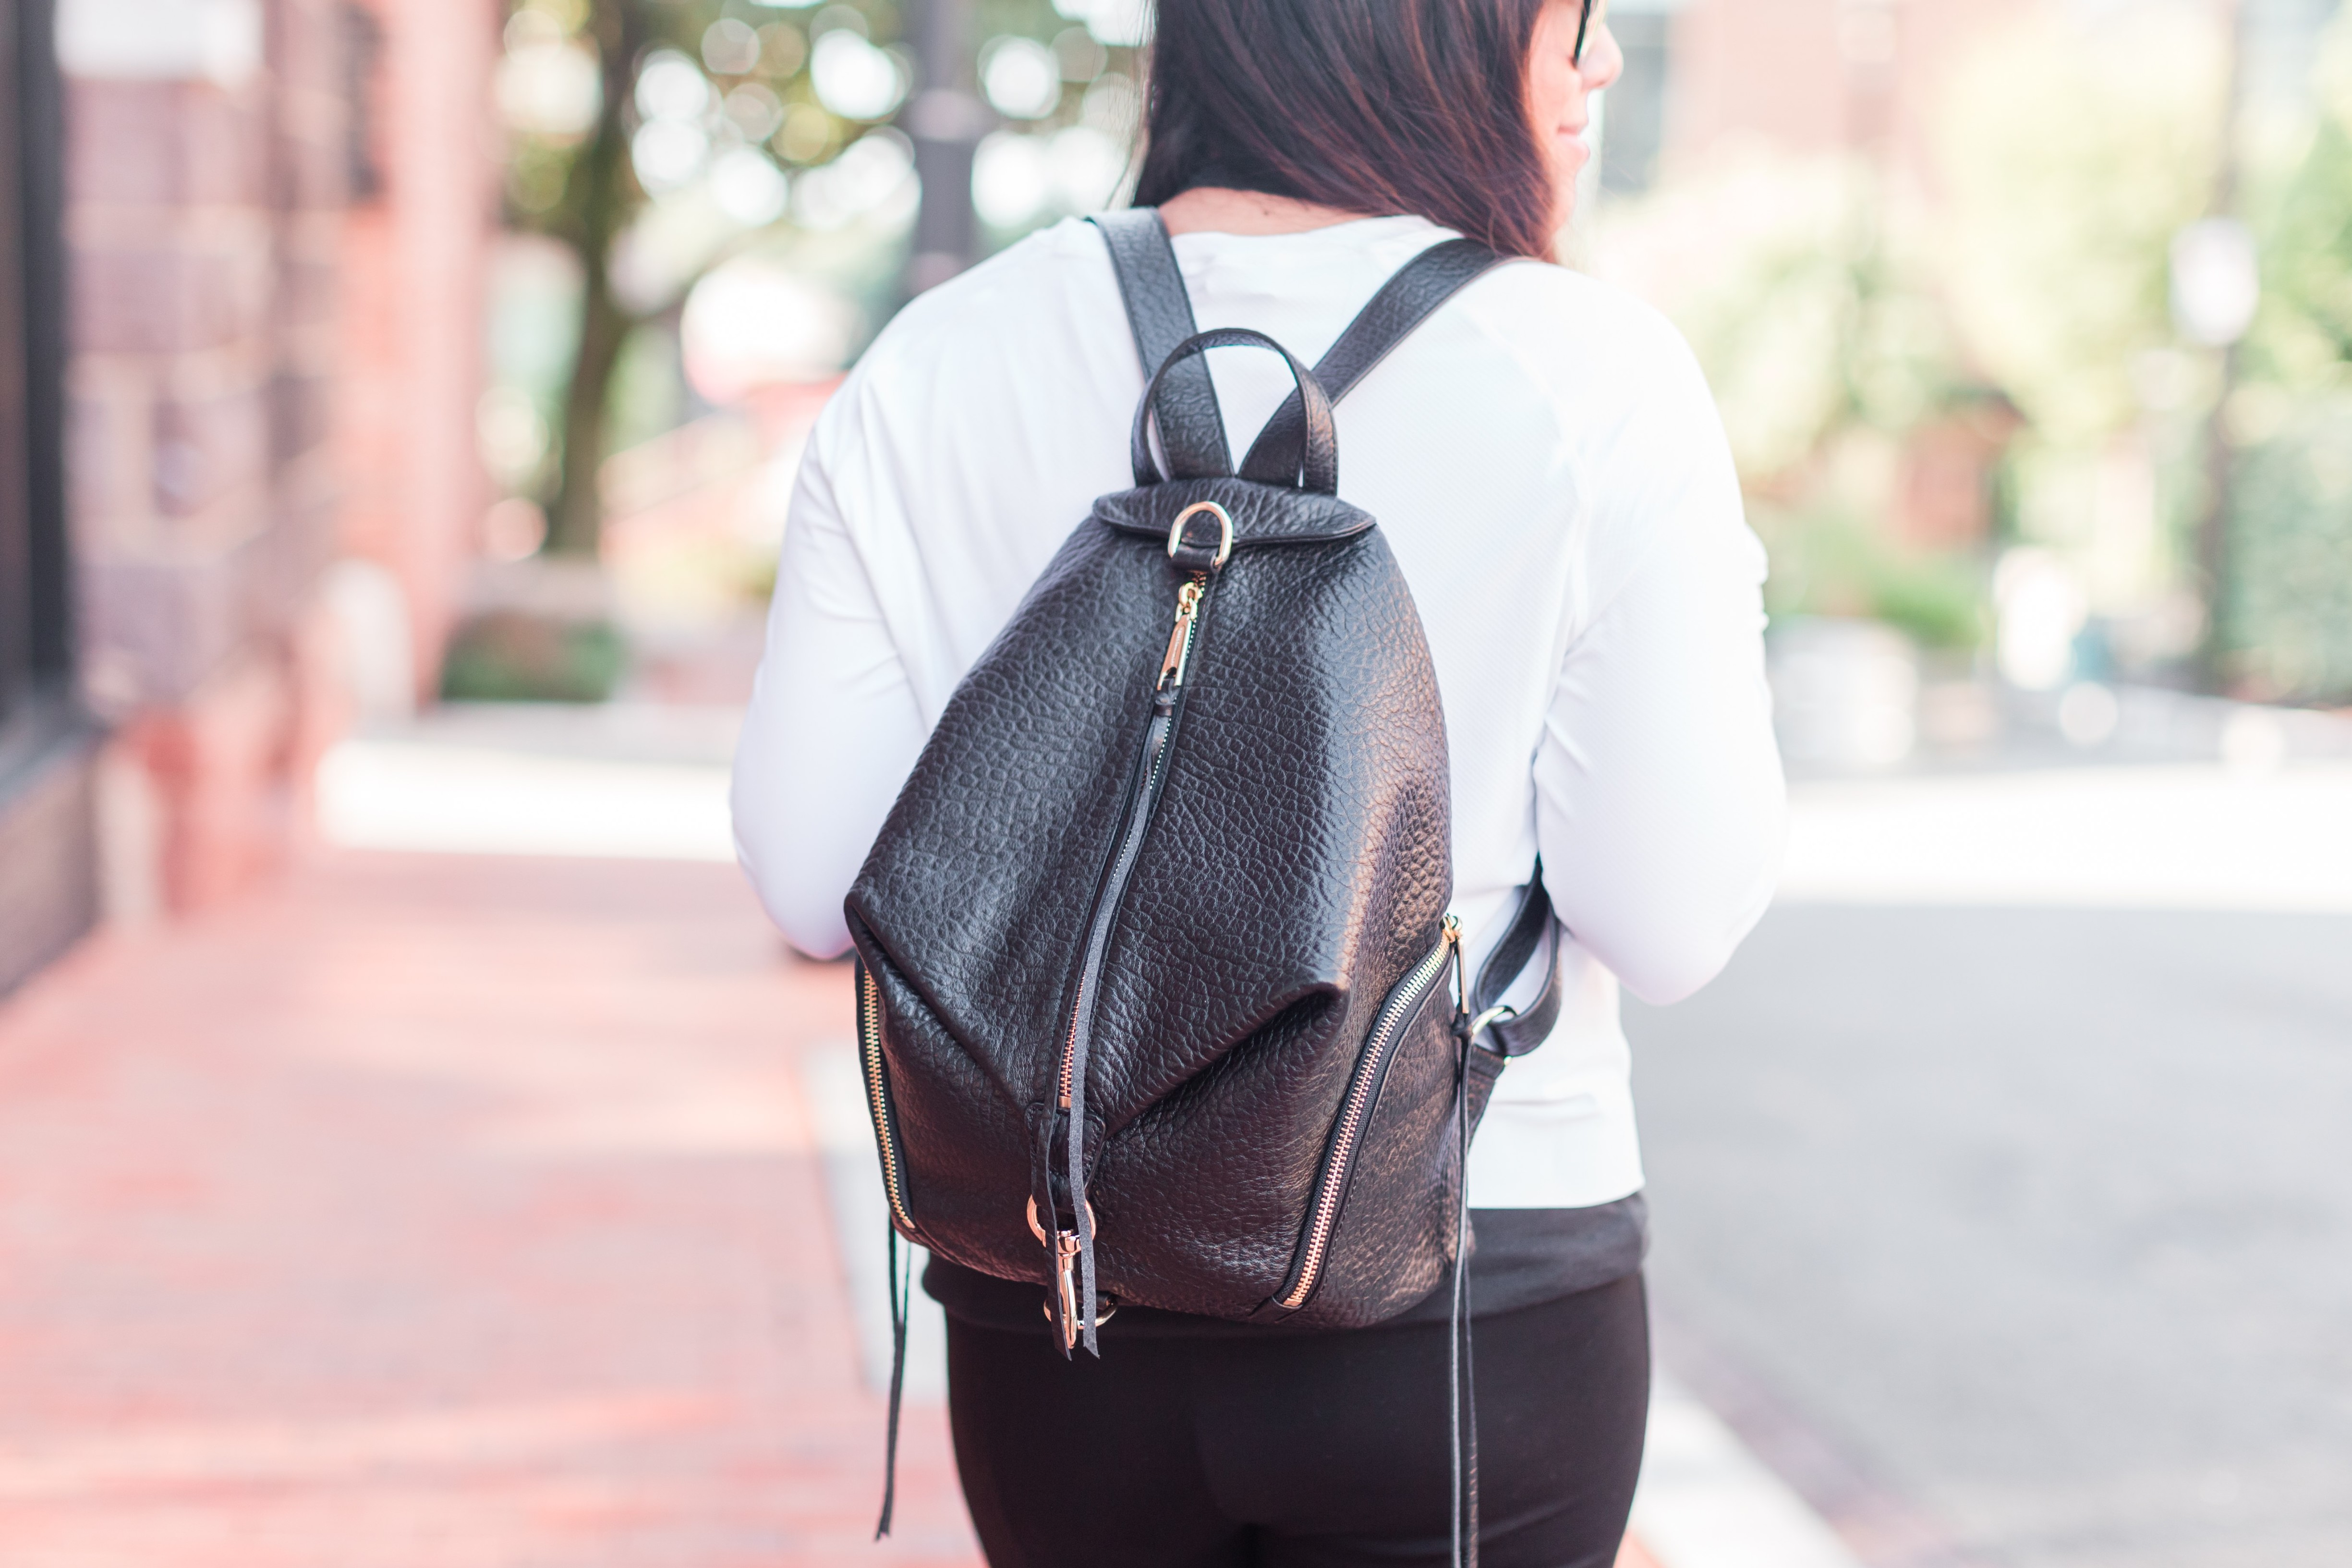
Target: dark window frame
column 35, row 620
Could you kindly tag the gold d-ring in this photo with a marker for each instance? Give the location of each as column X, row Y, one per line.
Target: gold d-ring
column 1225, row 526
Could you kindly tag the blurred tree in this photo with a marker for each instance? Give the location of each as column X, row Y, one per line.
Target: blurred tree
column 615, row 103
column 2076, row 151
column 2074, row 146
column 1809, row 294
column 652, row 139
column 2286, row 628
column 2303, row 209
column 600, row 193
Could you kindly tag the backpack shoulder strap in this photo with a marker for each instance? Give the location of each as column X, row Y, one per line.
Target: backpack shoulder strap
column 1518, row 1031
column 1404, row 302
column 1160, row 313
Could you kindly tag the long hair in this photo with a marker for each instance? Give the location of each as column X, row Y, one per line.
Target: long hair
column 1372, row 106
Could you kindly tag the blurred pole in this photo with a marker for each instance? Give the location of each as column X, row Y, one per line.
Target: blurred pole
column 2213, row 522
column 1870, row 40
column 946, row 120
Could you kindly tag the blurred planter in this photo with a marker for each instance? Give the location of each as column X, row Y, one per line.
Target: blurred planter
column 1836, row 563
column 2287, row 622
column 536, row 631
column 1845, row 693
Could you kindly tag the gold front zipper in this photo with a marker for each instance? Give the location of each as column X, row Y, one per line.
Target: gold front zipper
column 1172, row 664
column 869, row 1044
column 1070, row 1051
column 1410, row 994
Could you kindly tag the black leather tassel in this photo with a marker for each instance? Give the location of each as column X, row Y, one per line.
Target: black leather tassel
column 1460, row 1375
column 1044, row 1201
column 901, row 1292
column 1088, row 1310
column 1083, row 1216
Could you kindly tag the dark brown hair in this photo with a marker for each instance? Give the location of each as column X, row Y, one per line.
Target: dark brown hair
column 1370, row 106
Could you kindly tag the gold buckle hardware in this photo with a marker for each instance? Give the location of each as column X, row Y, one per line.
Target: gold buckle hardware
column 1225, row 531
column 1063, row 1245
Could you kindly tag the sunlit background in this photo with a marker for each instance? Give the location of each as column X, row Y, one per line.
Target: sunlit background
column 414, row 1146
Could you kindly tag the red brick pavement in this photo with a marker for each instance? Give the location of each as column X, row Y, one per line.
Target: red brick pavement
column 435, row 1213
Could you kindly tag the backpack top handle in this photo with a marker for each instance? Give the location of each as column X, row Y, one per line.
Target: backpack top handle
column 1318, row 468
column 1159, row 313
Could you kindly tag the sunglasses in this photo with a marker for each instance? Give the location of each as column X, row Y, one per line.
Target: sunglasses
column 1583, row 31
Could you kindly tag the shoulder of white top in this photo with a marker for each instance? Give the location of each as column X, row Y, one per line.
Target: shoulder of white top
column 1592, row 344
column 1562, row 305
column 990, row 298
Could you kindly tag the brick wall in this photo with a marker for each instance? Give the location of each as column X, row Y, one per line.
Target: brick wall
column 417, row 252
column 273, row 235
column 203, row 199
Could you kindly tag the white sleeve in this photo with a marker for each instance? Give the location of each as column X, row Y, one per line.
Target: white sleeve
column 833, row 729
column 1660, row 805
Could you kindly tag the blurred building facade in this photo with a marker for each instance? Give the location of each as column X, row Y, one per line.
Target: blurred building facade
column 1808, row 76
column 417, row 237
column 241, row 340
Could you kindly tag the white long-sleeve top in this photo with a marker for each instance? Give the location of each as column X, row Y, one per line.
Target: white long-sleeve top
column 1548, row 466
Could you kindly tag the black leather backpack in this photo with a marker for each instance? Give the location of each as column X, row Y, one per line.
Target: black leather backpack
column 1159, row 1000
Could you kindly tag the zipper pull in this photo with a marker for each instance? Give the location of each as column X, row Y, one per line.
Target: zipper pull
column 1063, row 1247
column 1452, row 930
column 1065, row 1285
column 1180, row 639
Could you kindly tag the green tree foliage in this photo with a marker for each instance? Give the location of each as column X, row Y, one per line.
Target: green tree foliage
column 2074, row 153
column 580, row 184
column 577, row 178
column 2303, row 339
column 1833, row 319
column 2288, row 620
column 606, row 99
column 1807, row 291
column 2287, row 626
column 1803, row 287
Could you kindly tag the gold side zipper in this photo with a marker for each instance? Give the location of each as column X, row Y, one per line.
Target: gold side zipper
column 870, row 1041
column 1351, row 1115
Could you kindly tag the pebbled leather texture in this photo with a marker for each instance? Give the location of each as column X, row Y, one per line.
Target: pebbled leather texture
column 1160, row 313
column 1295, row 869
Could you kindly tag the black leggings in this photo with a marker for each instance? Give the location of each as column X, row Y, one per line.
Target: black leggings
column 1305, row 1451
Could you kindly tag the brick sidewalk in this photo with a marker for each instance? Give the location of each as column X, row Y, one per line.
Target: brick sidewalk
column 435, row 1213
column 430, row 1212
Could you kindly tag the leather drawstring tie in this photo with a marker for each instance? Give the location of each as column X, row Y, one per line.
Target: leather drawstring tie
column 1043, row 1203
column 1462, row 1401
column 902, row 1283
column 1076, row 1173
column 1460, row 1370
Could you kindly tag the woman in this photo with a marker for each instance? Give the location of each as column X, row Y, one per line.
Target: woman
column 1549, row 472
